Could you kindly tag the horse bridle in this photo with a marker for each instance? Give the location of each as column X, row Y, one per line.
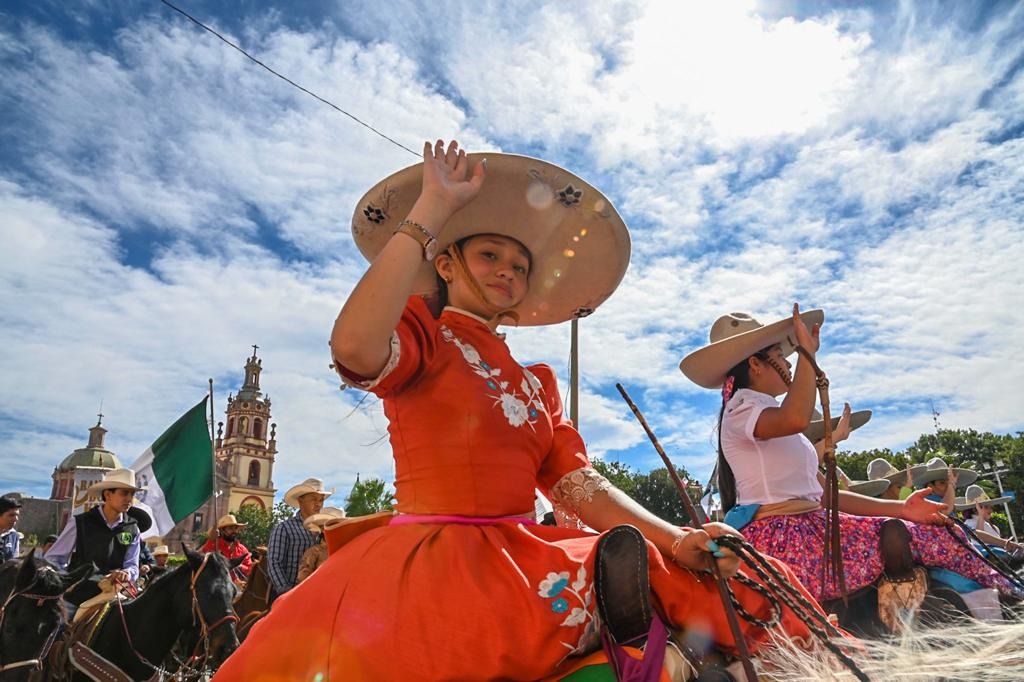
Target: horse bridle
column 37, row 662
column 197, row 612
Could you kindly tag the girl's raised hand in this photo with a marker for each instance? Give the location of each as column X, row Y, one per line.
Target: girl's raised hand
column 447, row 178
column 808, row 339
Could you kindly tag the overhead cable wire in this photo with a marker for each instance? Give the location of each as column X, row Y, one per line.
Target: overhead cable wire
column 286, row 79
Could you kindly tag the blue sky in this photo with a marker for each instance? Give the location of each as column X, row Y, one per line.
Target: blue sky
column 164, row 203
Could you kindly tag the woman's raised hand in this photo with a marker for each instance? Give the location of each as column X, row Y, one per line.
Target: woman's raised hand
column 842, row 431
column 447, row 178
column 808, row 339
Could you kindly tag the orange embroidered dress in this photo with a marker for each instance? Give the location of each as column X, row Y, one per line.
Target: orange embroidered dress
column 473, row 434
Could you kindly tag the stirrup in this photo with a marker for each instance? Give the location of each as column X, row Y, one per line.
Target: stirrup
column 622, row 583
column 897, row 598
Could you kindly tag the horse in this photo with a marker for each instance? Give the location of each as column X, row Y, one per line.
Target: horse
column 32, row 613
column 254, row 601
column 192, row 600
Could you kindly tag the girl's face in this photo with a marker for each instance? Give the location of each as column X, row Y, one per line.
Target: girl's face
column 765, row 375
column 500, row 265
column 940, row 486
column 986, row 512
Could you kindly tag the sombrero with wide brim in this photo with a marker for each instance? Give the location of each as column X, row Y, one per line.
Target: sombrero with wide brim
column 115, row 479
column 976, row 495
column 815, row 431
column 880, row 468
column 578, row 242
column 229, row 520
column 323, row 517
column 869, row 488
column 936, row 469
column 310, row 485
column 734, row 338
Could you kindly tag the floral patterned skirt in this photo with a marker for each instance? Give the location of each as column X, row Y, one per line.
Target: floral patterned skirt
column 445, row 601
column 799, row 541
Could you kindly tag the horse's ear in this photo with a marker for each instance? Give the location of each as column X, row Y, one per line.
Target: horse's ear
column 195, row 559
column 76, row 576
column 26, row 572
column 237, row 561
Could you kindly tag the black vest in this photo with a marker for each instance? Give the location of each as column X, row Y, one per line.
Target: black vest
column 100, row 544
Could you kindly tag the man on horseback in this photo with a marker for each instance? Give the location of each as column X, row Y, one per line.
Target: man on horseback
column 106, row 535
column 289, row 540
column 10, row 510
column 224, row 539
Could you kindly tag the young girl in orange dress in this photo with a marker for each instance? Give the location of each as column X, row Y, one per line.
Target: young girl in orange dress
column 461, row 584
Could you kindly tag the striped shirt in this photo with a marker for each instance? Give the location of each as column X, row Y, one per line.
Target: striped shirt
column 288, row 542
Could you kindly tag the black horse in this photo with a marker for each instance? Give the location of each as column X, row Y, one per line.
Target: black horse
column 31, row 613
column 192, row 602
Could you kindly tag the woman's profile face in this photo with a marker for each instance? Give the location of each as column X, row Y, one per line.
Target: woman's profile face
column 500, row 265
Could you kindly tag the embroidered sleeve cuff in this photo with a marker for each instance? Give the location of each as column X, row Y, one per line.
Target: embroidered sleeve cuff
column 572, row 490
column 367, row 384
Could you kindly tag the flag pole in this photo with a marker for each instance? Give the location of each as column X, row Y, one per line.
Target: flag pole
column 213, row 458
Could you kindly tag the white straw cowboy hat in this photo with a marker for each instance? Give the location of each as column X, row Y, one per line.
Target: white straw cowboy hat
column 936, row 470
column 976, row 495
column 161, row 550
column 815, row 431
column 229, row 520
column 316, row 522
column 578, row 242
column 734, row 338
column 310, row 485
column 869, row 488
column 881, row 469
column 114, row 479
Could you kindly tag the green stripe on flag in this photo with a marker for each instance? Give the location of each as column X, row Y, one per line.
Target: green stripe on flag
column 182, row 463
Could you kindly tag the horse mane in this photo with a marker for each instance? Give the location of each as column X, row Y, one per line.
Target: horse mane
column 976, row 651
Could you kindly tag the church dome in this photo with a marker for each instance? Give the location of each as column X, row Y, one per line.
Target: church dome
column 90, row 457
column 95, row 454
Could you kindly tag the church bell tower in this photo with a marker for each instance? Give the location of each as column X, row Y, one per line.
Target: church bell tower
column 247, row 447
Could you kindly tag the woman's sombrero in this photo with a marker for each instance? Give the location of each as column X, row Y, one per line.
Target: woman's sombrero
column 578, row 242
column 734, row 338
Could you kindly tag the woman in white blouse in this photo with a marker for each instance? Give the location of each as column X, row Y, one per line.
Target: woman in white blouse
column 768, row 471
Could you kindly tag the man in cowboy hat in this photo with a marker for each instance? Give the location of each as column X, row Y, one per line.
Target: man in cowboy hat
column 106, row 535
column 224, row 539
column 289, row 540
column 159, row 567
column 10, row 511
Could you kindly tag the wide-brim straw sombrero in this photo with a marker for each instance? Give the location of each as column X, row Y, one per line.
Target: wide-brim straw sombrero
column 310, row 485
column 162, row 550
column 815, row 431
column 734, row 338
column 869, row 488
column 578, row 242
column 880, row 468
column 115, row 479
column 936, row 469
column 976, row 495
column 323, row 517
column 229, row 520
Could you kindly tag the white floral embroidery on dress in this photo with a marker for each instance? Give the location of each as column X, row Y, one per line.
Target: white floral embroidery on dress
column 556, row 587
column 522, row 408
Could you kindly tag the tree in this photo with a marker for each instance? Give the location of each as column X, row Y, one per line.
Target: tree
column 654, row 491
column 369, row 497
column 260, row 522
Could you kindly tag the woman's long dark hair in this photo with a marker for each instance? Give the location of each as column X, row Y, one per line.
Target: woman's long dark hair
column 726, row 479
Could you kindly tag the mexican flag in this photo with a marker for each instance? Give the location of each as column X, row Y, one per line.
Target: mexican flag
column 177, row 471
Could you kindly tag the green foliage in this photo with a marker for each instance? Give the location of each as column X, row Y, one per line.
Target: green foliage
column 959, row 447
column 655, row 490
column 176, row 559
column 369, row 497
column 261, row 521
